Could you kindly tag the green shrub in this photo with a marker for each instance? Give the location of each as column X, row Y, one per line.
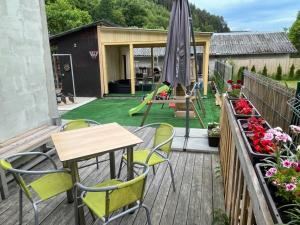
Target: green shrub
column 278, row 75
column 292, row 72
column 253, row 70
column 298, row 74
column 240, row 72
column 265, row 71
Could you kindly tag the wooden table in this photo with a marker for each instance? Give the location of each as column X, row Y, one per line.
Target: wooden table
column 75, row 145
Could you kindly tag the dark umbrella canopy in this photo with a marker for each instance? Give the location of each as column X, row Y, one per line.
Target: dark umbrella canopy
column 176, row 68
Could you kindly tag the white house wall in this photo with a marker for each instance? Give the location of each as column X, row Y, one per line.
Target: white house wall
column 27, row 95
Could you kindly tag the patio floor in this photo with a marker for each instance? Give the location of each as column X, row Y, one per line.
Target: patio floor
column 199, row 192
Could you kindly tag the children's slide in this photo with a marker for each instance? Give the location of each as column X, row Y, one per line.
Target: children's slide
column 147, row 99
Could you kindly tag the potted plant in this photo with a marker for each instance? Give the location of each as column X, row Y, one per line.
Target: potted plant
column 213, row 134
column 280, row 181
column 242, row 108
column 234, row 89
column 250, row 124
column 262, row 143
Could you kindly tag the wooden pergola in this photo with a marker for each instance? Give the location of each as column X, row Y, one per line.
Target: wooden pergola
column 113, row 42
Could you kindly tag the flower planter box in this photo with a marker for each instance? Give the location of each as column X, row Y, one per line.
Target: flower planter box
column 241, row 123
column 268, row 191
column 235, row 98
column 213, row 141
column 241, row 116
column 254, row 156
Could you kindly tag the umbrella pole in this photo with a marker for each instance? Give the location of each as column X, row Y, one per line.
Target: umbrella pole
column 187, row 113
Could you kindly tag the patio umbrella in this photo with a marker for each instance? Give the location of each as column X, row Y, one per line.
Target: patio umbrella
column 176, row 68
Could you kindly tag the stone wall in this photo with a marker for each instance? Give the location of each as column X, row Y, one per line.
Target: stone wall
column 27, row 94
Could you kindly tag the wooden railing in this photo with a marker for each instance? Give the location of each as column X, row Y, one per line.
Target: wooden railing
column 270, row 98
column 245, row 203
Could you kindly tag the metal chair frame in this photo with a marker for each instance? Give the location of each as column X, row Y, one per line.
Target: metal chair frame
column 109, row 218
column 89, row 122
column 16, row 173
column 155, row 149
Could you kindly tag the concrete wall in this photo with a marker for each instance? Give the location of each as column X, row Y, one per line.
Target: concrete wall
column 27, row 95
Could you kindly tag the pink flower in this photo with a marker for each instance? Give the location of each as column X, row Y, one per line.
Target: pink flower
column 290, row 187
column 271, row 172
column 278, row 129
column 282, row 137
column 294, row 179
column 287, row 164
column 268, row 136
column 295, row 129
column 272, row 131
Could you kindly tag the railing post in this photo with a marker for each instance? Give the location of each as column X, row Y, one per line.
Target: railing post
column 296, row 117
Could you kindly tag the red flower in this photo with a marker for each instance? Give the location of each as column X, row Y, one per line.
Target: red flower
column 239, row 81
column 230, row 81
column 297, row 168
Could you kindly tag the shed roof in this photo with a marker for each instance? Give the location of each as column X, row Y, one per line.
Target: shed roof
column 240, row 43
column 102, row 22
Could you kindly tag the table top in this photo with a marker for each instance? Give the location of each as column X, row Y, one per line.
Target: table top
column 85, row 142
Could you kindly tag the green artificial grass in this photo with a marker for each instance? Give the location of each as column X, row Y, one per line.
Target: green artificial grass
column 116, row 110
column 137, row 94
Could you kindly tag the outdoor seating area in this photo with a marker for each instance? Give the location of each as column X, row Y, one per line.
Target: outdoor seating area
column 193, row 177
column 149, row 112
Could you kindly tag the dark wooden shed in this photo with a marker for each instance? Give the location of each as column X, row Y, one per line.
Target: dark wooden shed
column 82, row 44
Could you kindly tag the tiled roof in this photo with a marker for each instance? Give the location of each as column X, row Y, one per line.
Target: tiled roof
column 240, row 43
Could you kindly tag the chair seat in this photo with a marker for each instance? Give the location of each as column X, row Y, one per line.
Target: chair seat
column 141, row 156
column 52, row 184
column 96, row 200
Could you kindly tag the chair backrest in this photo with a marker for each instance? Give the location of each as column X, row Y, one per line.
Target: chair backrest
column 127, row 192
column 77, row 124
column 6, row 166
column 164, row 132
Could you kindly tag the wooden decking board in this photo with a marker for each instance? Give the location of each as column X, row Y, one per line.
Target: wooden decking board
column 158, row 206
column 194, row 212
column 206, row 206
column 198, row 192
column 218, row 188
column 170, row 206
column 184, row 194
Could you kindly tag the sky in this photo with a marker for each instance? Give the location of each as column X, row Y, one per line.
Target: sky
column 253, row 15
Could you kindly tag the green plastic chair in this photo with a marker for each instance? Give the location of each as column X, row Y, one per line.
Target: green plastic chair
column 52, row 183
column 78, row 124
column 160, row 151
column 105, row 198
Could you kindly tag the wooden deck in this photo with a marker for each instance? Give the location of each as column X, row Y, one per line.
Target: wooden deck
column 199, row 191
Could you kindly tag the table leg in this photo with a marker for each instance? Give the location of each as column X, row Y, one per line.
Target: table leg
column 130, row 174
column 69, row 193
column 79, row 213
column 112, row 165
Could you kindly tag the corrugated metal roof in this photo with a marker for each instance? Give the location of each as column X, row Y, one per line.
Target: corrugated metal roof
column 240, row 43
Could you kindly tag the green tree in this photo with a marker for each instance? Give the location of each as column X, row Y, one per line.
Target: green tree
column 292, row 71
column 298, row 74
column 62, row 15
column 278, row 75
column 111, row 11
column 253, row 69
column 134, row 13
column 265, row 71
column 294, row 33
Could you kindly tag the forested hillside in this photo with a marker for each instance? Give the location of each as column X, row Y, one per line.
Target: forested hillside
column 66, row 14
